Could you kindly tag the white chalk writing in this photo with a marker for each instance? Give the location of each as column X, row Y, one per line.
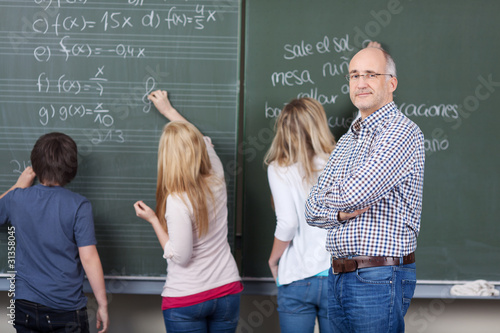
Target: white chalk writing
column 291, row 78
column 423, row 110
column 305, row 49
column 65, row 112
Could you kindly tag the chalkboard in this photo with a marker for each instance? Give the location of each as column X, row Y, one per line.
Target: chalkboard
column 449, row 84
column 85, row 68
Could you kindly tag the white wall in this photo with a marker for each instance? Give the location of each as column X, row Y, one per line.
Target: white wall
column 142, row 314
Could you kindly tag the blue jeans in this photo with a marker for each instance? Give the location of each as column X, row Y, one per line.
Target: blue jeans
column 371, row 300
column 217, row 315
column 300, row 302
column 33, row 317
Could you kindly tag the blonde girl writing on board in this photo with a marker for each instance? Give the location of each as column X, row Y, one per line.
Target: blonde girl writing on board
column 202, row 287
column 299, row 262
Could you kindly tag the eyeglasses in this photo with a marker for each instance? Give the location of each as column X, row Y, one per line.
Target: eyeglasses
column 367, row 76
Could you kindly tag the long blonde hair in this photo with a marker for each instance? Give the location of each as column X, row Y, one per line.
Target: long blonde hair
column 301, row 134
column 184, row 167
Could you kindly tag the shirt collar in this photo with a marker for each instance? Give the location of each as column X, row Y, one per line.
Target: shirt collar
column 374, row 119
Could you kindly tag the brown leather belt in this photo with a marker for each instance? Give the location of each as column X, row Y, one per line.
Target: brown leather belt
column 350, row 265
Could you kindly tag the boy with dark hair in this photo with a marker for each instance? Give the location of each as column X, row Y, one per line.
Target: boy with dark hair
column 55, row 243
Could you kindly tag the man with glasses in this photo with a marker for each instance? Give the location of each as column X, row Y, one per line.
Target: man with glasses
column 369, row 197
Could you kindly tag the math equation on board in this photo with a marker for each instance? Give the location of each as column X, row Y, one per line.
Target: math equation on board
column 92, row 63
column 60, row 40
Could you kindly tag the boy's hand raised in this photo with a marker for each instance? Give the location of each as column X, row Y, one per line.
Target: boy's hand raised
column 26, row 178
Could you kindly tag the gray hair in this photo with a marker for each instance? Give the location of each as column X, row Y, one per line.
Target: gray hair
column 390, row 65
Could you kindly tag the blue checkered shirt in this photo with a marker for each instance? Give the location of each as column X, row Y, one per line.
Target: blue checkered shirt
column 378, row 163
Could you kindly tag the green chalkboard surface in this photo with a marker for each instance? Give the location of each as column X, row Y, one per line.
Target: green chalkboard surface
column 85, row 68
column 449, row 84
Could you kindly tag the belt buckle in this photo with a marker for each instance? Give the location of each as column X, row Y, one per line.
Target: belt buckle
column 347, row 265
column 342, row 267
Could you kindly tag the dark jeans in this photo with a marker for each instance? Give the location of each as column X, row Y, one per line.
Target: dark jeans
column 33, row 317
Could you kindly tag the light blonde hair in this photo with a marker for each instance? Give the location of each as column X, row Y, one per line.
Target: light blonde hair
column 184, row 167
column 301, row 134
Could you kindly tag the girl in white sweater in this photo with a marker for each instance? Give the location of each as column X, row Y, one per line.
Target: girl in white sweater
column 299, row 262
column 202, row 288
